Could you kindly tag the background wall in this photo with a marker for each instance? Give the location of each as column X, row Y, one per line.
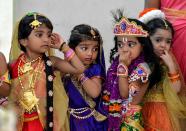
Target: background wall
column 65, row 14
column 6, row 17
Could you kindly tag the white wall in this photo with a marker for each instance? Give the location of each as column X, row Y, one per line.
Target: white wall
column 65, row 14
column 6, row 17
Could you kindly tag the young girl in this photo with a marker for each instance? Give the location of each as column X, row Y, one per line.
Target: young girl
column 84, row 90
column 129, row 74
column 4, row 81
column 37, row 93
column 163, row 108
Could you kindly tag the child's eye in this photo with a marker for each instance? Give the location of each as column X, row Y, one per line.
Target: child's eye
column 169, row 41
column 95, row 49
column 120, row 45
column 83, row 48
column 131, row 44
column 39, row 34
column 158, row 40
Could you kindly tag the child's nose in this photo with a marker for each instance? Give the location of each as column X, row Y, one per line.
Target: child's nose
column 163, row 44
column 46, row 38
column 89, row 53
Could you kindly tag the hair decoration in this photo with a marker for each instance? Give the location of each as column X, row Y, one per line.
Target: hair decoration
column 165, row 23
column 150, row 13
column 93, row 32
column 35, row 23
column 124, row 27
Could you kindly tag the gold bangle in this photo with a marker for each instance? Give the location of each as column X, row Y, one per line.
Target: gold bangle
column 61, row 47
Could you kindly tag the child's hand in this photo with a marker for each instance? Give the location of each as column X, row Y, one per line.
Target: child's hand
column 56, row 41
column 167, row 59
column 124, row 58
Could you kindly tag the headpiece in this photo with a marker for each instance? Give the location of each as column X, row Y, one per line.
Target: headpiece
column 35, row 23
column 150, row 13
column 127, row 28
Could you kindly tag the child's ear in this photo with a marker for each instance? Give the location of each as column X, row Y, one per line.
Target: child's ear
column 23, row 42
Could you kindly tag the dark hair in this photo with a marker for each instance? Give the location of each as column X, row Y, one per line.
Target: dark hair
column 84, row 32
column 159, row 23
column 25, row 29
column 148, row 52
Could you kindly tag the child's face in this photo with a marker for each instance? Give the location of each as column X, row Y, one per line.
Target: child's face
column 38, row 41
column 161, row 41
column 129, row 46
column 87, row 51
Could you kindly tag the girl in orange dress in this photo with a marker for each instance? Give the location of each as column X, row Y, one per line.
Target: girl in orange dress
column 164, row 105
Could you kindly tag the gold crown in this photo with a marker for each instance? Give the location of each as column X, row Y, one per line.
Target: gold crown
column 124, row 27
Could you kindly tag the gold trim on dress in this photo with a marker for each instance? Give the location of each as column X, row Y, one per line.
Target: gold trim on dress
column 31, row 119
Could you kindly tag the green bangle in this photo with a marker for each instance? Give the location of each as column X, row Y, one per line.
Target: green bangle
column 61, row 47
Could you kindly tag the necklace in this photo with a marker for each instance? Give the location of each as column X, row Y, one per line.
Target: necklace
column 29, row 100
column 28, row 65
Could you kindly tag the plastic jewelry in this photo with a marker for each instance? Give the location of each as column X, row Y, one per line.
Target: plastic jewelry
column 122, row 70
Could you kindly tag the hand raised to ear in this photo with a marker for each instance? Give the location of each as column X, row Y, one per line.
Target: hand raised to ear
column 56, row 41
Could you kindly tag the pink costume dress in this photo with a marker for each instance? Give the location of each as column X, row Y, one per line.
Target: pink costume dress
column 175, row 11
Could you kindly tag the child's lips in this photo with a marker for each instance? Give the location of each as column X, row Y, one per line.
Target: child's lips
column 88, row 59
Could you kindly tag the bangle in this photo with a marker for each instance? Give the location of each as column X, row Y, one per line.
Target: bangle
column 69, row 54
column 61, row 47
column 174, row 77
column 122, row 70
column 83, row 78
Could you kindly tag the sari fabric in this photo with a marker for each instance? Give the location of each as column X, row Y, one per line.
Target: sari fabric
column 86, row 113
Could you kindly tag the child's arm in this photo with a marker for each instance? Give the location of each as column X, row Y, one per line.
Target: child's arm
column 140, row 89
column 92, row 86
column 72, row 65
column 169, row 62
column 122, row 72
column 4, row 86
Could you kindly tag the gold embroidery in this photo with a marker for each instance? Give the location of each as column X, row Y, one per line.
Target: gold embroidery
column 28, row 100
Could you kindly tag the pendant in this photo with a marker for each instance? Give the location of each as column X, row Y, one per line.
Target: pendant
column 26, row 67
column 28, row 101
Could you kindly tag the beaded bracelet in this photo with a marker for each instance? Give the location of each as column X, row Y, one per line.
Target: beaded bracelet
column 122, row 70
